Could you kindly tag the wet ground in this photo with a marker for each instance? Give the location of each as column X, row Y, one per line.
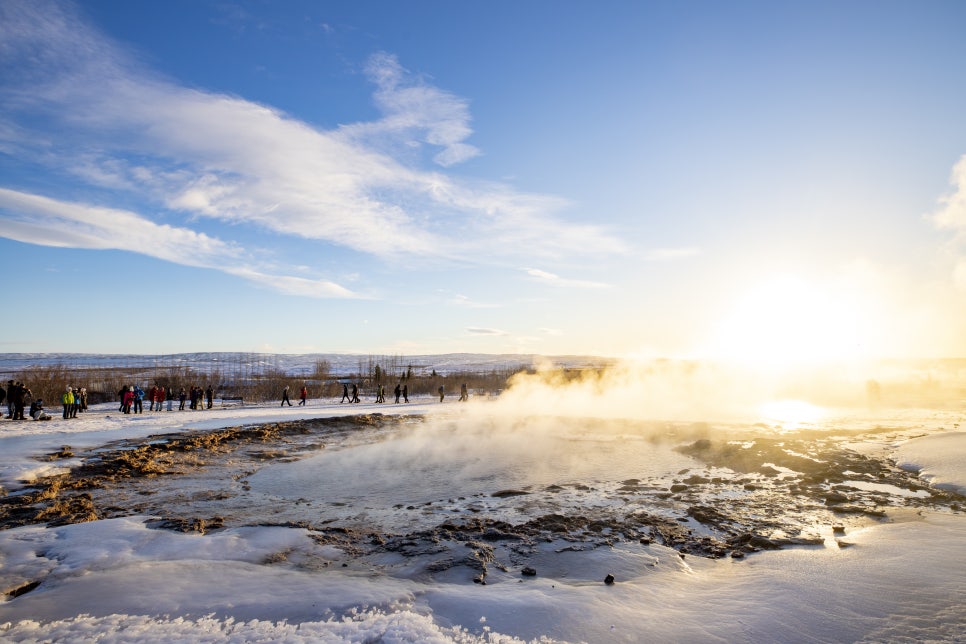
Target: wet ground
column 388, row 490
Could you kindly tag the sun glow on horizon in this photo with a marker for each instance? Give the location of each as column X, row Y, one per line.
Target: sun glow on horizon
column 786, row 322
column 791, row 414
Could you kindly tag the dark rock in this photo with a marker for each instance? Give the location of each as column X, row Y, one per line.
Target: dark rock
column 609, row 579
column 529, row 572
column 838, row 529
column 834, row 498
column 678, row 487
column 505, row 493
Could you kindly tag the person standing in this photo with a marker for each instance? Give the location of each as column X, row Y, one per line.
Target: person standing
column 154, row 397
column 161, row 394
column 442, row 392
column 182, row 396
column 138, row 400
column 285, row 397
column 398, row 392
column 23, row 393
column 83, row 399
column 3, row 395
column 303, row 394
column 464, row 395
column 209, row 395
column 405, row 393
column 128, row 400
column 68, row 400
column 11, row 392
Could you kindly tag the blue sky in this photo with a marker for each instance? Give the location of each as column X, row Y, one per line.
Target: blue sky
column 761, row 181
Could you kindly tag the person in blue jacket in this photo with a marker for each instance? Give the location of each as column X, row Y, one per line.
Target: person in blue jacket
column 138, row 400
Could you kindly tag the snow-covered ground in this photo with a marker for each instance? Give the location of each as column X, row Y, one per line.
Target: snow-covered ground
column 901, row 579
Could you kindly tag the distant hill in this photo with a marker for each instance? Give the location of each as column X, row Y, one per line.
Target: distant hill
column 340, row 364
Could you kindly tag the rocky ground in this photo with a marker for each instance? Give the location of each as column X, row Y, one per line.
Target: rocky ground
column 744, row 495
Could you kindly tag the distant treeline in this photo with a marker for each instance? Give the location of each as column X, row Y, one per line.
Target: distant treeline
column 257, row 383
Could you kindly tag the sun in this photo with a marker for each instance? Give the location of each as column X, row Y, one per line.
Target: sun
column 785, row 322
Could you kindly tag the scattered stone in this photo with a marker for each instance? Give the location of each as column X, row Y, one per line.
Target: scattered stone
column 609, row 579
column 678, row 487
column 529, row 572
column 838, row 529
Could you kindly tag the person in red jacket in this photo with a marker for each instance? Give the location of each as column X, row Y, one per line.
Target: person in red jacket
column 303, row 394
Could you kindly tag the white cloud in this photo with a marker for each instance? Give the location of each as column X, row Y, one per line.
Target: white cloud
column 67, row 88
column 39, row 220
column 952, row 213
column 551, row 279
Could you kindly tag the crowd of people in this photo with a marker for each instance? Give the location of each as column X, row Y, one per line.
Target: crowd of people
column 17, row 396
column 131, row 398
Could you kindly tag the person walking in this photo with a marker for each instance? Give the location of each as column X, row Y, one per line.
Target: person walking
column 285, row 397
column 355, row 393
column 442, row 392
column 464, row 395
column 398, row 392
column 303, row 394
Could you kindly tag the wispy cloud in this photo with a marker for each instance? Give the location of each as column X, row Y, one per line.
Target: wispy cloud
column 951, row 215
column 202, row 154
column 42, row 221
column 668, row 254
column 551, row 279
column 952, row 211
column 466, row 302
column 475, row 330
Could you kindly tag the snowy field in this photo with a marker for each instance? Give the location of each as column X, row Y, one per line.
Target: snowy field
column 897, row 577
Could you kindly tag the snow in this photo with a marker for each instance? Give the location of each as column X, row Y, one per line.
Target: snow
column 940, row 459
column 119, row 580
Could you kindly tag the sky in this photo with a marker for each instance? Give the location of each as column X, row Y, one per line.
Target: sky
column 775, row 183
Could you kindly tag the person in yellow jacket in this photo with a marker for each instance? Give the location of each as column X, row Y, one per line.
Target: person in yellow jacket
column 68, row 400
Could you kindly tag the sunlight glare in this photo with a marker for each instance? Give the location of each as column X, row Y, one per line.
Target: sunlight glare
column 791, row 414
column 787, row 322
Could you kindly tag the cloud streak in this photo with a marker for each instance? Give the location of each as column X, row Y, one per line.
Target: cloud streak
column 34, row 219
column 223, row 158
column 551, row 279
